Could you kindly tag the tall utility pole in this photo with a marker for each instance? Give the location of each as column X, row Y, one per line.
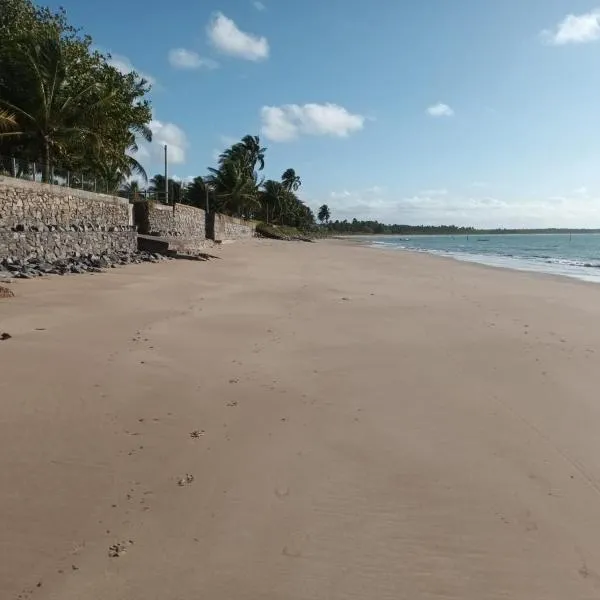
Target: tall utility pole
column 166, row 177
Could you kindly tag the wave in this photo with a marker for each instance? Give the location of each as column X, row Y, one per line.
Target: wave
column 563, row 266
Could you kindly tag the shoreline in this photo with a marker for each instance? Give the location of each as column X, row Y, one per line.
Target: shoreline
column 516, row 264
column 424, row 427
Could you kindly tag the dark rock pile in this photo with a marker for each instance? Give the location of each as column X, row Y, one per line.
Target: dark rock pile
column 91, row 263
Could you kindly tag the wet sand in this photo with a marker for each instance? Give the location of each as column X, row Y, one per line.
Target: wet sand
column 354, row 424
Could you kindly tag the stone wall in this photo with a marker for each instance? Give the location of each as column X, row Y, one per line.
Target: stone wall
column 55, row 245
column 167, row 221
column 231, row 228
column 182, row 226
column 49, row 222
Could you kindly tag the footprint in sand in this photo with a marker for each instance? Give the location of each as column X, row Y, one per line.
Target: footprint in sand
column 118, row 549
column 282, row 493
column 187, row 480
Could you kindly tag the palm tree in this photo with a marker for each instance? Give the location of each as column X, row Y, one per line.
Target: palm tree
column 113, row 170
column 236, row 191
column 290, row 180
column 131, row 189
column 248, row 153
column 324, row 215
column 51, row 117
column 255, row 152
column 157, row 187
column 196, row 194
column 124, row 162
column 273, row 199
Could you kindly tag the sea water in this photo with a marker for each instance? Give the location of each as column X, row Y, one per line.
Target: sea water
column 576, row 255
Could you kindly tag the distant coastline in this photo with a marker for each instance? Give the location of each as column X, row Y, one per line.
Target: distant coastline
column 399, row 230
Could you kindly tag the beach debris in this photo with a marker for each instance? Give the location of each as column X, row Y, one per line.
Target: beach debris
column 6, row 292
column 5, row 336
column 197, row 433
column 345, row 298
column 233, row 403
column 234, row 380
column 187, row 480
column 118, row 549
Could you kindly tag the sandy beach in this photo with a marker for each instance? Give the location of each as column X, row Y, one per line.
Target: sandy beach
column 300, row 421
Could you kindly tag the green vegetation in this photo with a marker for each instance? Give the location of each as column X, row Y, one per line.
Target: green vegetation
column 62, row 104
column 324, row 214
column 278, row 232
column 376, row 228
column 356, row 227
column 234, row 187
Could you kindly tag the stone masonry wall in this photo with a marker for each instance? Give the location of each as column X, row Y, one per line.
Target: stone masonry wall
column 184, row 227
column 50, row 222
column 231, row 228
column 180, row 221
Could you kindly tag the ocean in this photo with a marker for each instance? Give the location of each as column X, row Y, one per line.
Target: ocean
column 576, row 255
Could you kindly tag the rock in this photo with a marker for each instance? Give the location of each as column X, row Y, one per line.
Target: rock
column 6, row 293
column 5, row 336
column 78, row 263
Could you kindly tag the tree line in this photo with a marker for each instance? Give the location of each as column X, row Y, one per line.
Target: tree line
column 376, row 228
column 235, row 187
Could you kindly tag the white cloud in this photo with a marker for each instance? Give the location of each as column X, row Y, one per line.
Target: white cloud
column 287, row 122
column 180, row 58
column 164, row 133
column 440, row 110
column 575, row 29
column 434, row 192
column 259, row 5
column 226, row 37
column 185, row 180
column 573, row 209
column 125, row 66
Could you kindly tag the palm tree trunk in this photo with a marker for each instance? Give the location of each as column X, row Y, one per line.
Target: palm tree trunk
column 47, row 172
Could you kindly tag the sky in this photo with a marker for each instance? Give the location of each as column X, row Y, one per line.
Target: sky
column 472, row 112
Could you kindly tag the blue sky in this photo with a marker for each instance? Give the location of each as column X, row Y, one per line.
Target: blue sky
column 471, row 112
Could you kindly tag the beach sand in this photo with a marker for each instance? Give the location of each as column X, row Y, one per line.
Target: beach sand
column 367, row 424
